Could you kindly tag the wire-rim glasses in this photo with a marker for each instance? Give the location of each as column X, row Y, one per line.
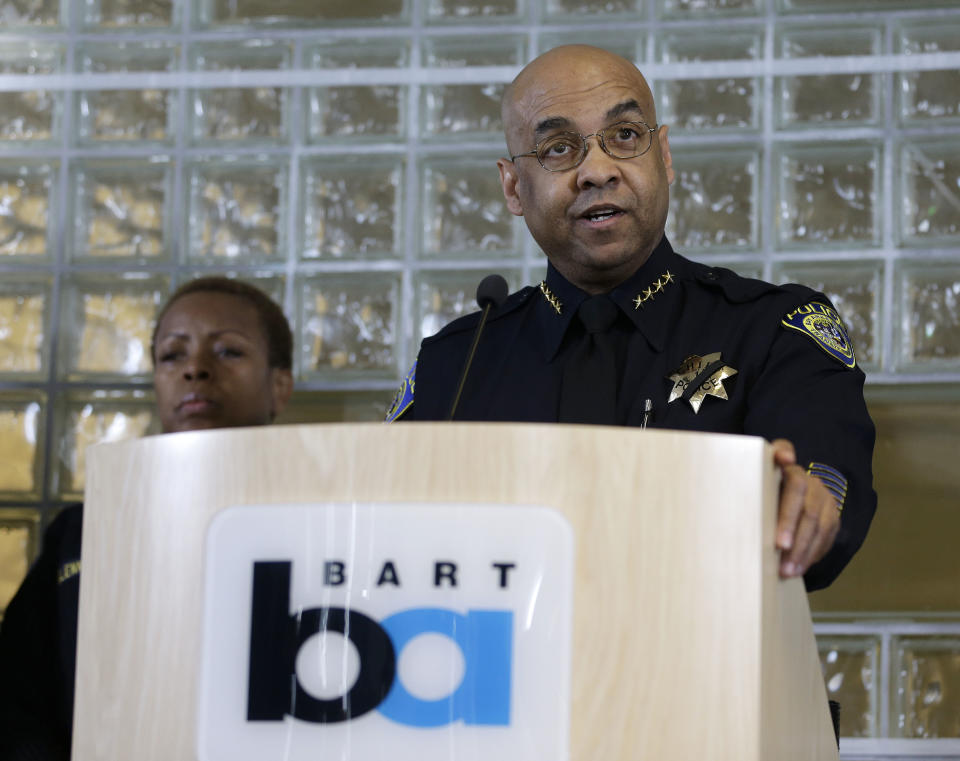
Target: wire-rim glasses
column 566, row 150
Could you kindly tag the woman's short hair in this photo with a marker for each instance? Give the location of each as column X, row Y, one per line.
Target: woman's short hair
column 272, row 320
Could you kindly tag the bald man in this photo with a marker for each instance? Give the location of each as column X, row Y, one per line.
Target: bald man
column 623, row 331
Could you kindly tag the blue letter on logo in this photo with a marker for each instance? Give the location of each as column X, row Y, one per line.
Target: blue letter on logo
column 483, row 697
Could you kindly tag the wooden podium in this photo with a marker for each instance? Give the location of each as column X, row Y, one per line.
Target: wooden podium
column 686, row 644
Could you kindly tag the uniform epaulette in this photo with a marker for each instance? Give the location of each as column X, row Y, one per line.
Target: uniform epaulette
column 736, row 288
column 469, row 321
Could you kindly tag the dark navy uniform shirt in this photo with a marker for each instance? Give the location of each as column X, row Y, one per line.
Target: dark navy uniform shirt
column 38, row 645
column 710, row 350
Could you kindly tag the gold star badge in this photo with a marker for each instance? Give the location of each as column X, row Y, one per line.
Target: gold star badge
column 704, row 374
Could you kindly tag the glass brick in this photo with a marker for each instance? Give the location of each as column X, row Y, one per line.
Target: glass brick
column 19, row 539
column 24, row 304
column 827, row 196
column 470, row 10
column 928, row 96
column 627, row 44
column 927, row 699
column 929, row 298
column 349, row 326
column 730, row 103
column 121, row 209
column 460, row 52
column 129, row 14
column 352, row 208
column 27, row 13
column 110, row 116
column 360, row 111
column 360, row 53
column 930, row 193
column 845, row 99
column 21, row 444
column 25, row 208
column 855, row 290
column 87, row 419
column 444, row 296
column 357, row 111
column 697, row 8
column 463, row 110
column 335, row 407
column 840, row 6
column 252, row 114
column 299, row 12
column 713, row 201
column 106, row 325
column 464, row 210
column 593, row 8
column 33, row 115
column 849, row 666
column 236, row 211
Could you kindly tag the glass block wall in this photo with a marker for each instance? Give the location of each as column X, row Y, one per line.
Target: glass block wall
column 341, row 154
column 898, row 684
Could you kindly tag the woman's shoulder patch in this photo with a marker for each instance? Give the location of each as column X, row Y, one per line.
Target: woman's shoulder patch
column 821, row 322
column 404, row 398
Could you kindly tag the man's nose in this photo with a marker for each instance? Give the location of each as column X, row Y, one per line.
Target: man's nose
column 598, row 167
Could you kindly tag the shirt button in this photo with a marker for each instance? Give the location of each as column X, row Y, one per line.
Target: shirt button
column 710, row 275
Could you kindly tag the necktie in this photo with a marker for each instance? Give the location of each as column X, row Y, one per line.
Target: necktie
column 588, row 391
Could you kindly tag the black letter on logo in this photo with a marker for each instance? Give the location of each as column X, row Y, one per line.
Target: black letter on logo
column 504, row 569
column 388, row 575
column 276, row 637
column 333, row 573
column 444, row 570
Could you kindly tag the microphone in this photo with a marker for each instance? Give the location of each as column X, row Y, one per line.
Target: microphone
column 491, row 292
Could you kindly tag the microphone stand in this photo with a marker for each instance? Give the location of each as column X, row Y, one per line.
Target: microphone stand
column 491, row 292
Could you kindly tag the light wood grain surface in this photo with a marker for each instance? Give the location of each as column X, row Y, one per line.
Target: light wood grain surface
column 686, row 644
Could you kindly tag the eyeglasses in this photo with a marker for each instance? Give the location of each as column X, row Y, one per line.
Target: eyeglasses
column 566, row 150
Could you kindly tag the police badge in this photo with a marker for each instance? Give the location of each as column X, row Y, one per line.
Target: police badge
column 699, row 377
column 822, row 323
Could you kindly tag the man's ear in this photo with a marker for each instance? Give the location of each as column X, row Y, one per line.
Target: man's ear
column 509, row 181
column 281, row 384
column 665, row 151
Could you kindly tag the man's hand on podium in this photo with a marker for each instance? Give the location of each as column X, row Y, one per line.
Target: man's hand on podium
column 807, row 518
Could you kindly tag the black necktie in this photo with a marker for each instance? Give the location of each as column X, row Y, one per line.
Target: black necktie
column 588, row 393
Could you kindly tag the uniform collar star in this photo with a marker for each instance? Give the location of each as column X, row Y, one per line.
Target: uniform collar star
column 653, row 289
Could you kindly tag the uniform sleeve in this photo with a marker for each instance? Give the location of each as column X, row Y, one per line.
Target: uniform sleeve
column 31, row 706
column 812, row 398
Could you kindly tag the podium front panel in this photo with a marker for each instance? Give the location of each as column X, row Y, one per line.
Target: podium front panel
column 674, row 584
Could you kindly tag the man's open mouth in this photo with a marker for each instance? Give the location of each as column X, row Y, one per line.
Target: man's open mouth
column 601, row 213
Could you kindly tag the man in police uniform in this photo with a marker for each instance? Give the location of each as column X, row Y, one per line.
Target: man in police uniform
column 684, row 346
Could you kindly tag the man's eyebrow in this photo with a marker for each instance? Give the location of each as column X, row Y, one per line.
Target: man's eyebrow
column 552, row 123
column 622, row 108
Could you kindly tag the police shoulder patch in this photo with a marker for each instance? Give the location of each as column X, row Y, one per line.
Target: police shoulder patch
column 404, row 398
column 821, row 322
